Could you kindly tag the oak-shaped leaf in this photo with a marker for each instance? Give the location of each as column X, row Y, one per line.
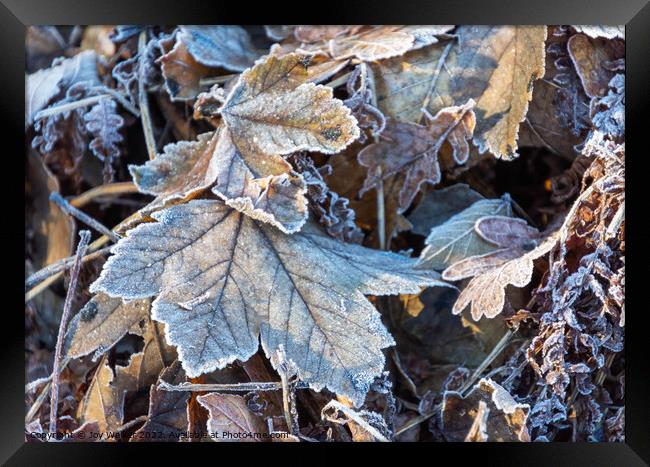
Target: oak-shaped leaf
column 494, row 65
column 456, row 238
column 167, row 416
column 413, row 149
column 222, row 280
column 230, row 413
column 274, row 110
column 491, row 273
column 505, row 419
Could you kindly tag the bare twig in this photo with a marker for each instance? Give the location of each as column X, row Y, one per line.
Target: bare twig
column 381, row 216
column 84, row 238
column 83, row 217
column 147, row 127
column 67, row 107
column 60, row 266
column 129, row 424
column 103, row 190
column 237, row 387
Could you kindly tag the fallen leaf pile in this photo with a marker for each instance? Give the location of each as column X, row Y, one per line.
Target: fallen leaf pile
column 325, row 233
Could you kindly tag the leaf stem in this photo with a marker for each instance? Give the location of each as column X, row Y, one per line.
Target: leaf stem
column 84, row 238
column 236, row 387
column 147, row 127
column 103, row 190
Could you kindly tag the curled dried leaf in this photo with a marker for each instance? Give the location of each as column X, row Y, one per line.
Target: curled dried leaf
column 230, row 413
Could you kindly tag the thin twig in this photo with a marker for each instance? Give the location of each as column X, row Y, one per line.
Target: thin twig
column 70, row 106
column 237, row 387
column 339, row 81
column 147, row 127
column 381, row 217
column 216, row 80
column 60, row 266
column 84, row 238
column 83, row 217
column 121, row 99
column 119, row 188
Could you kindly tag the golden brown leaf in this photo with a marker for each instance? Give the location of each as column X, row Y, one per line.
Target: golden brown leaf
column 229, row 413
column 494, row 65
column 593, row 59
column 182, row 73
column 102, row 403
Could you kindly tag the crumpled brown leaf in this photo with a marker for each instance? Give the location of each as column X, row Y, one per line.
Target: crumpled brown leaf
column 505, row 420
column 229, row 413
column 494, row 65
column 53, row 229
column 222, row 279
column 413, row 149
column 182, row 73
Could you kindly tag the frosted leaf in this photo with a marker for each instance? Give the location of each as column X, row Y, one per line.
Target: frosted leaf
column 101, row 323
column 311, row 33
column 303, row 291
column 608, row 32
column 228, row 47
column 274, row 110
column 413, row 149
column 494, row 65
column 182, row 73
column 182, row 169
column 229, row 412
column 456, row 239
column 486, row 290
column 593, row 59
column 42, row 86
column 265, row 188
column 375, row 44
column 437, row 206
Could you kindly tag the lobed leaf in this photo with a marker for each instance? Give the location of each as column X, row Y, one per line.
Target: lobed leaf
column 222, row 280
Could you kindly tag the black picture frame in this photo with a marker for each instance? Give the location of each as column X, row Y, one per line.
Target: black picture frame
column 635, row 14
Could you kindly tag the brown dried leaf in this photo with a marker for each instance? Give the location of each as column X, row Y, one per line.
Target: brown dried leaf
column 230, row 413
column 486, row 291
column 375, row 44
column 182, row 73
column 101, row 323
column 222, row 279
column 274, row 110
column 310, row 34
column 413, row 149
column 506, row 418
column 494, row 65
column 52, row 228
column 593, row 59
column 101, row 403
column 167, row 417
